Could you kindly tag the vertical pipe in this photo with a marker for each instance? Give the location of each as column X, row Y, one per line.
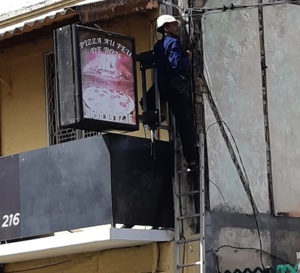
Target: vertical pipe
column 265, row 106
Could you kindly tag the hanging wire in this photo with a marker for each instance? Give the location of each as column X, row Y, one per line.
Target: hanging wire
column 225, row 8
column 198, row 12
column 240, row 161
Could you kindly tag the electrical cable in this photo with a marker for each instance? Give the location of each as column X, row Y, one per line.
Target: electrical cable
column 194, row 12
column 190, row 12
column 235, row 144
column 251, row 197
column 232, row 7
column 252, row 202
column 40, row 267
column 242, row 248
column 253, row 248
column 218, row 189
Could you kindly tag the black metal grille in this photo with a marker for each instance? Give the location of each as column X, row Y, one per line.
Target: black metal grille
column 56, row 134
column 90, row 133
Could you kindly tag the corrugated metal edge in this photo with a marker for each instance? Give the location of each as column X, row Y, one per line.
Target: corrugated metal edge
column 44, row 20
column 89, row 11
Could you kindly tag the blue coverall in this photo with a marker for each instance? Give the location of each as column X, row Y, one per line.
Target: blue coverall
column 171, row 60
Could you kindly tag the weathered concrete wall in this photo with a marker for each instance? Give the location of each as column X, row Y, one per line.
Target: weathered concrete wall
column 233, row 258
column 232, row 57
column 283, row 58
column 233, row 69
column 233, row 243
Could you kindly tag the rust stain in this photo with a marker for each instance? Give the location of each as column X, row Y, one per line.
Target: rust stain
column 102, row 11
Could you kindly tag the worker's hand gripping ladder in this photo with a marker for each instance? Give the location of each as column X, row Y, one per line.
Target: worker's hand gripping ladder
column 180, row 241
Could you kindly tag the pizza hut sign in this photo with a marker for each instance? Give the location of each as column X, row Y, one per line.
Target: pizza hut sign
column 104, row 79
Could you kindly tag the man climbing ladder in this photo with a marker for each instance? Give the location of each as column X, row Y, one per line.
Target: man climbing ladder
column 174, row 85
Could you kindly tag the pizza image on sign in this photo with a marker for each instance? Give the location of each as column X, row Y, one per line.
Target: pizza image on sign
column 108, row 78
column 107, row 104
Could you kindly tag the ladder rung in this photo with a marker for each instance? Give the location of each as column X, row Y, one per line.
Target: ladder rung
column 188, row 240
column 188, row 216
column 187, row 193
column 189, row 265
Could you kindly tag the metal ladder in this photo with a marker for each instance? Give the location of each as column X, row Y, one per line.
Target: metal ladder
column 152, row 119
column 179, row 218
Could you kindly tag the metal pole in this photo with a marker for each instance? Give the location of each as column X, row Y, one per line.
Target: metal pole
column 157, row 96
column 176, row 200
column 202, row 202
column 144, row 89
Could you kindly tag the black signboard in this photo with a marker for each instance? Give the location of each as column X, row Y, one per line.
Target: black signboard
column 85, row 183
column 96, row 79
column 10, row 213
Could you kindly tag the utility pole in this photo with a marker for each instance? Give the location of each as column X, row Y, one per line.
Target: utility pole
column 193, row 31
column 198, row 64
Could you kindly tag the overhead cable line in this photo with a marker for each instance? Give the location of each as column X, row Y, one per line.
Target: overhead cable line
column 194, row 11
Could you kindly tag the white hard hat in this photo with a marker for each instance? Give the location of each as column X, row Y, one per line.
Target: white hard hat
column 163, row 19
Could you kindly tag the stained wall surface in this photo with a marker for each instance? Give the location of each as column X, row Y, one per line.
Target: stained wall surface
column 232, row 67
column 233, row 70
column 282, row 57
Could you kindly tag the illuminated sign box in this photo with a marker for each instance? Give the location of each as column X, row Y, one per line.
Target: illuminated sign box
column 96, row 79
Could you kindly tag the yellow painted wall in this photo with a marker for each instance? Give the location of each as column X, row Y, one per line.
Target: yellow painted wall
column 143, row 259
column 23, row 112
column 151, row 258
column 23, row 108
